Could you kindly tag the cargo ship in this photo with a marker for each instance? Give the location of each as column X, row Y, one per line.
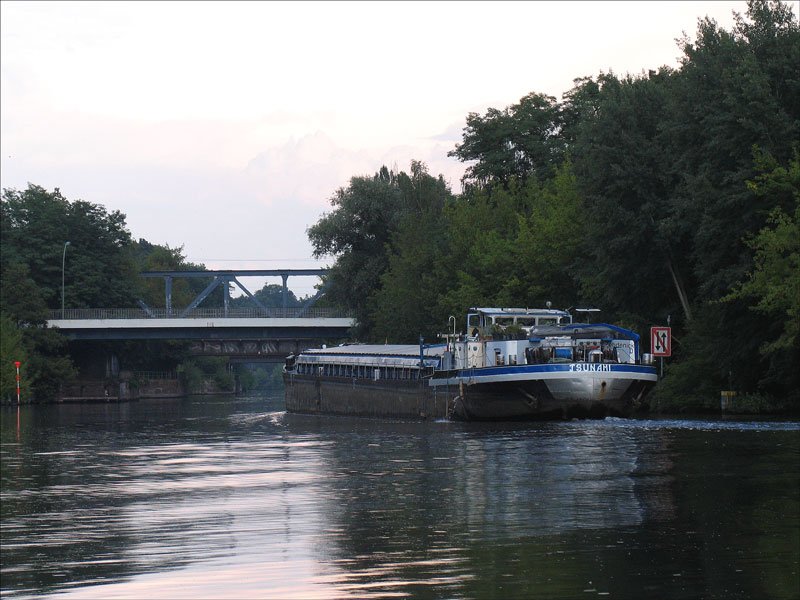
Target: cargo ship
column 510, row 364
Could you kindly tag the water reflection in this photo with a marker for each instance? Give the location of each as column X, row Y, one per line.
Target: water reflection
column 448, row 501
column 234, row 498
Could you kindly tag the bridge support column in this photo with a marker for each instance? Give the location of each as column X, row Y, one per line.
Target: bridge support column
column 168, row 295
column 226, row 294
column 285, row 277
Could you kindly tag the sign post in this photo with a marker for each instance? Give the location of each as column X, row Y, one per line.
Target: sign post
column 17, row 365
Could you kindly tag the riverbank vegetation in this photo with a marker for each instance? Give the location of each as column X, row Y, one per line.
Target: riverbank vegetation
column 667, row 195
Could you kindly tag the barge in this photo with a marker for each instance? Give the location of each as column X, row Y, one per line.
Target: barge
column 511, row 364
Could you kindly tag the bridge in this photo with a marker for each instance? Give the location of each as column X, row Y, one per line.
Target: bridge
column 253, row 333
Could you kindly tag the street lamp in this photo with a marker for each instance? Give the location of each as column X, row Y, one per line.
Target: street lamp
column 63, row 258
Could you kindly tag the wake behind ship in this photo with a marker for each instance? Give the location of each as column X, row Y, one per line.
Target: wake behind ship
column 512, row 363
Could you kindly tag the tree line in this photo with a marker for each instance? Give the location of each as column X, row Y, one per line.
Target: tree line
column 673, row 193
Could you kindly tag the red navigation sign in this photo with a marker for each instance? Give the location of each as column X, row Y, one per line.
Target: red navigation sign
column 661, row 341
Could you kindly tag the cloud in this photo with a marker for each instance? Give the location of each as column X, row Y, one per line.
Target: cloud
column 310, row 169
column 307, row 170
column 452, row 133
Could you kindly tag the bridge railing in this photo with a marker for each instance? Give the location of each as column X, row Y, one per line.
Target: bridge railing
column 198, row 313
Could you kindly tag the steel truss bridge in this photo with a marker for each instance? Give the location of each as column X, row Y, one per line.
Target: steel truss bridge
column 254, row 333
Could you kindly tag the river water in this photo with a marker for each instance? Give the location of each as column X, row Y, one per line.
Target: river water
column 234, row 498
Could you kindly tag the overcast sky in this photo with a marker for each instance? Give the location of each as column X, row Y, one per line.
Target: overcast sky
column 226, row 127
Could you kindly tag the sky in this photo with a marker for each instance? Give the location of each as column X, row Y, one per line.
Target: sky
column 225, row 128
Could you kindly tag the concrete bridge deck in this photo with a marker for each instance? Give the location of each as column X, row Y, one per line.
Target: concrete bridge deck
column 201, row 324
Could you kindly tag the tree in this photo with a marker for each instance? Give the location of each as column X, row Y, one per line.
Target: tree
column 12, row 349
column 356, row 233
column 359, row 230
column 20, row 298
column 25, row 337
column 518, row 142
column 100, row 272
column 270, row 295
column 775, row 280
column 734, row 90
column 548, row 249
column 406, row 306
column 99, row 269
column 638, row 261
column 772, row 288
